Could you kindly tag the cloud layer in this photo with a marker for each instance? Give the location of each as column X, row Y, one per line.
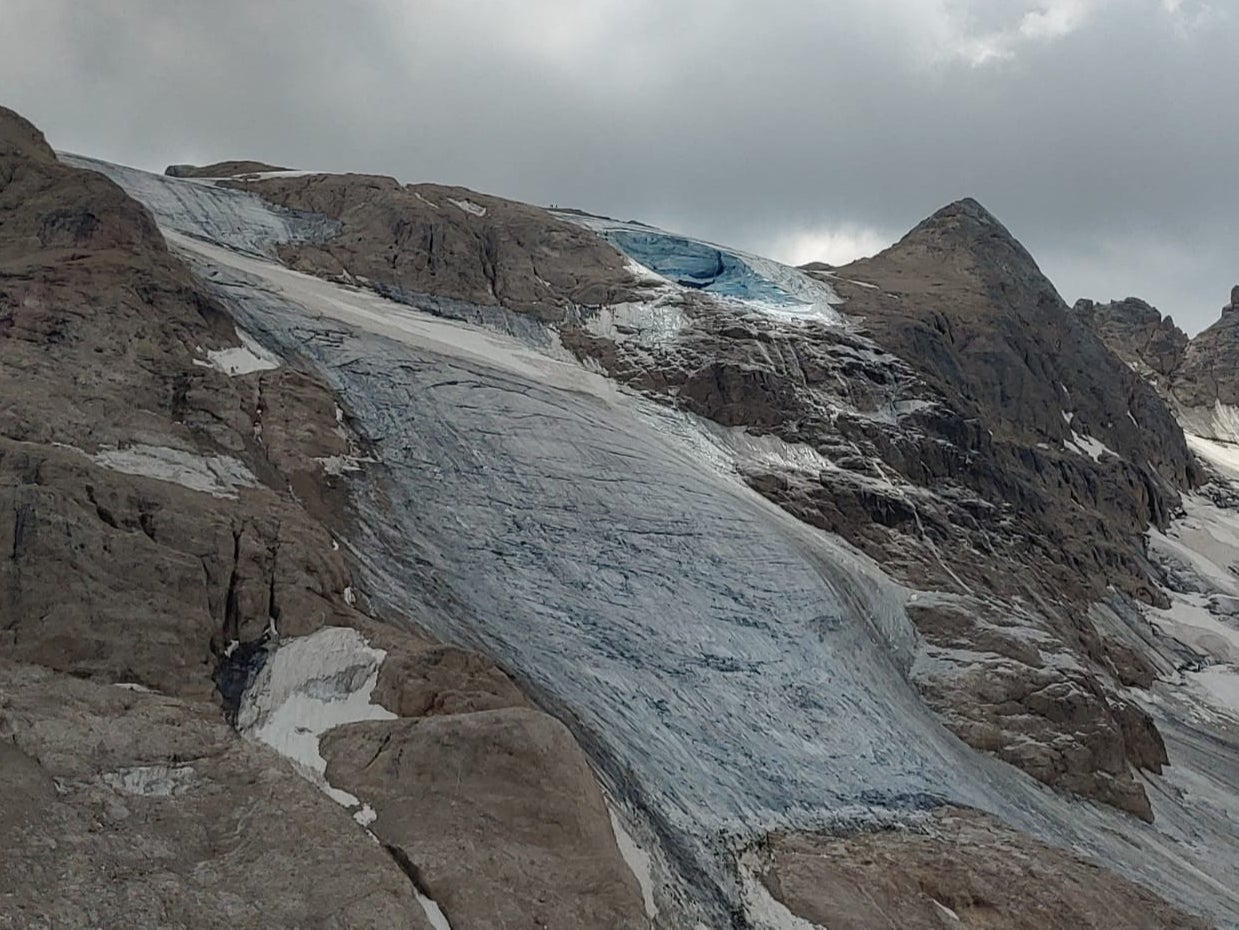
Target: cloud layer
column 1103, row 132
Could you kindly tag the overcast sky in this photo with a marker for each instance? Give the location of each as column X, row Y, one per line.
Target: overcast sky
column 1104, row 133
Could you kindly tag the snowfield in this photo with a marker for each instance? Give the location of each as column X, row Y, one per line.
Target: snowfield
column 729, row 669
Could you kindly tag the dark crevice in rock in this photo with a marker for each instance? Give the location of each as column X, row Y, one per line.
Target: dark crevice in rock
column 406, row 865
column 236, row 671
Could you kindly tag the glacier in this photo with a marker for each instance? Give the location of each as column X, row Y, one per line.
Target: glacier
column 728, row 669
column 747, row 281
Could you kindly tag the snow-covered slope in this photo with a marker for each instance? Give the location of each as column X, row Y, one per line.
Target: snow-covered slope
column 730, row 669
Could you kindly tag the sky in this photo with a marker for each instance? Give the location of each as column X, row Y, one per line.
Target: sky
column 1103, row 133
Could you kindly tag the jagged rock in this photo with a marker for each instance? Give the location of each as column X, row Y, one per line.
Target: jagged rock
column 961, row 869
column 1138, row 334
column 220, row 169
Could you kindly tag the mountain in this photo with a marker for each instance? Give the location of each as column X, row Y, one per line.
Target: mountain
column 544, row 569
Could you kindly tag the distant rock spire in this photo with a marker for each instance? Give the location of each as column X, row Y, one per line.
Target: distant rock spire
column 1234, row 300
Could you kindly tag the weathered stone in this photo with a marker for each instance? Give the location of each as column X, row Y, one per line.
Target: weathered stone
column 965, row 869
column 444, row 786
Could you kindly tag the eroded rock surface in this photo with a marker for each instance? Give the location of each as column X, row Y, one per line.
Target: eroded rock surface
column 959, row 869
column 450, row 242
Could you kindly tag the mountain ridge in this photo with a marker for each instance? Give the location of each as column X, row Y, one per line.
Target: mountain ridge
column 764, row 565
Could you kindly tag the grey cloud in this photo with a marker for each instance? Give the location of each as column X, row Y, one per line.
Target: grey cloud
column 1107, row 150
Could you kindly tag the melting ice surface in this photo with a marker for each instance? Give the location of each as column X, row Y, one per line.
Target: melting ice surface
column 756, row 282
column 729, row 669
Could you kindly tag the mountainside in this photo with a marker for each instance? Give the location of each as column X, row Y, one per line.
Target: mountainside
column 589, row 575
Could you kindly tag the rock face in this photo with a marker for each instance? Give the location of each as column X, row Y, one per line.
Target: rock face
column 1138, row 334
column 184, row 543
column 1197, row 376
column 220, row 169
column 960, row 869
column 450, row 242
column 170, row 820
column 171, row 501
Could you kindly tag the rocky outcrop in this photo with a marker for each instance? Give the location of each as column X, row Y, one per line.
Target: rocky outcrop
column 220, row 169
column 172, row 507
column 960, row 868
column 1138, row 334
column 418, row 239
column 131, row 808
column 1197, row 376
column 444, row 787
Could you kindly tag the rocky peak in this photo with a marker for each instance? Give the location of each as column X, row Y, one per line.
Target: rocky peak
column 18, row 137
column 1137, row 333
column 977, row 240
column 1196, row 374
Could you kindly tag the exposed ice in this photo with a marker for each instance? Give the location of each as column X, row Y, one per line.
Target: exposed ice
column 433, row 912
column 217, row 475
column 751, row 281
column 233, row 218
column 245, row 359
column 643, row 323
column 1218, row 424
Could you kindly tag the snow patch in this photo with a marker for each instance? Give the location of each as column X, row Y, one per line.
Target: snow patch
column 133, row 686
column 1088, row 447
column 638, row 861
column 245, row 359
column 473, row 209
column 1220, row 683
column 946, row 911
column 310, row 685
column 763, row 910
column 434, row 914
column 152, row 781
column 1221, row 455
column 432, row 205
column 643, row 274
column 365, row 815
column 217, row 475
